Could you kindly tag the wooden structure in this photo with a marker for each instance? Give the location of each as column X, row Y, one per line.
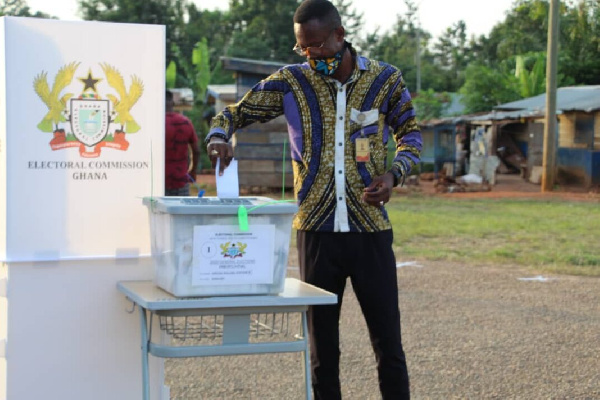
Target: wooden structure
column 262, row 150
column 219, row 96
column 183, row 99
column 578, row 133
column 515, row 138
column 440, row 144
column 578, row 155
column 443, row 138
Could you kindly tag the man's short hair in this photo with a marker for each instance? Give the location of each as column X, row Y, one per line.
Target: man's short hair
column 322, row 10
column 168, row 95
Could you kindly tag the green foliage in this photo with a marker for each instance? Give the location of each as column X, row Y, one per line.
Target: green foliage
column 398, row 47
column 430, row 105
column 483, row 68
column 352, row 19
column 452, row 54
column 579, row 58
column 524, row 30
column 486, row 87
column 171, row 75
column 442, row 65
column 19, row 8
column 200, row 59
column 532, row 81
column 160, row 12
column 197, row 77
column 12, row 7
column 263, row 29
column 216, row 28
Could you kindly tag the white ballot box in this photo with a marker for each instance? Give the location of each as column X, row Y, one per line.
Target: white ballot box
column 202, row 246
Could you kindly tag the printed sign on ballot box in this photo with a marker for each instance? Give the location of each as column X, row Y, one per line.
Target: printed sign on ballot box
column 224, row 255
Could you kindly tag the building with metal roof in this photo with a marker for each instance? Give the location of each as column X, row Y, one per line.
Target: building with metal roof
column 515, row 133
column 578, row 135
column 571, row 98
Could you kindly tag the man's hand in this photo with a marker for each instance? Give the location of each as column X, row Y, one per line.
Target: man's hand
column 379, row 191
column 220, row 150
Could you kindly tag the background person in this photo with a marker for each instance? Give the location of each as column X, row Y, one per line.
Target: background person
column 180, row 136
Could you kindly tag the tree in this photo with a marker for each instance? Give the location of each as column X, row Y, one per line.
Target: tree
column 351, row 19
column 532, row 79
column 486, row 87
column 398, row 47
column 215, row 27
column 511, row 60
column 441, row 68
column 171, row 75
column 159, row 12
column 19, row 8
column 430, row 105
column 579, row 57
column 262, row 29
column 451, row 53
column 524, row 30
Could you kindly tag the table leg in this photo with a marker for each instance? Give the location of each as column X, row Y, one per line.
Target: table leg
column 307, row 376
column 145, row 374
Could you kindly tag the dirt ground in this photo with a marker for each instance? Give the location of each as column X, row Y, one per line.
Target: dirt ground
column 507, row 186
column 470, row 331
column 512, row 186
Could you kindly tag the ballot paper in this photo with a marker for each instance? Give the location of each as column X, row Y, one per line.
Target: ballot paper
column 228, row 186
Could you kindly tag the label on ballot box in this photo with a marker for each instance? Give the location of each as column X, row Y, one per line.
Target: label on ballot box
column 224, row 255
column 200, row 248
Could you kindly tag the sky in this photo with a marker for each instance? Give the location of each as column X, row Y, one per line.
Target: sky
column 434, row 15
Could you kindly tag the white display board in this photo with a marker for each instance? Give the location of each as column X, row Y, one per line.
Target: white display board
column 80, row 122
column 81, row 143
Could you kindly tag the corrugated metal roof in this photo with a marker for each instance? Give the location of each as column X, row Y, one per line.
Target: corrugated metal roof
column 220, row 90
column 182, row 95
column 572, row 98
column 456, row 107
column 444, row 121
column 506, row 115
column 251, row 66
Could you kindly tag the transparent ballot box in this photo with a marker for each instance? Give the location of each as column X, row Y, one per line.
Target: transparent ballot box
column 220, row 247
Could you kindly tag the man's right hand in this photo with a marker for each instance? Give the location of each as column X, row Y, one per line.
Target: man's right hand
column 220, row 150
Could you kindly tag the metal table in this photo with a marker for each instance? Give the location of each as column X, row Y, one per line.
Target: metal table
column 236, row 314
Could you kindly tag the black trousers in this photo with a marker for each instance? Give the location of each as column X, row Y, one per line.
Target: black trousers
column 326, row 261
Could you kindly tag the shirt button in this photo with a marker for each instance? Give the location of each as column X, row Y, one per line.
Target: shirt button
column 340, row 198
column 341, row 117
column 340, row 144
column 341, row 90
column 340, row 171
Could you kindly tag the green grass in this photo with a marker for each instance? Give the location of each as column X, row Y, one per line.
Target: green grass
column 552, row 236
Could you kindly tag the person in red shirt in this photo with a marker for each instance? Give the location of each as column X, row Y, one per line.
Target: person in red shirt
column 179, row 136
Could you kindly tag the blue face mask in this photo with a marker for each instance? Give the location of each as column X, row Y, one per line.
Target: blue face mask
column 328, row 65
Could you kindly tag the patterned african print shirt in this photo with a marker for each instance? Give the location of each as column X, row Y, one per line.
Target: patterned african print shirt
column 323, row 122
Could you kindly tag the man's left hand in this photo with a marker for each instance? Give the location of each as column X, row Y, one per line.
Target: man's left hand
column 379, row 191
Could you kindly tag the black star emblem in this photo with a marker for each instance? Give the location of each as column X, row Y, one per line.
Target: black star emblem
column 89, row 82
